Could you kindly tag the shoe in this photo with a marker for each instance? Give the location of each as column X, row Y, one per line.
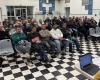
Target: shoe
column 53, row 55
column 26, row 55
column 72, row 51
column 86, row 39
column 59, row 56
column 79, row 50
column 70, row 54
column 1, row 61
column 63, row 52
column 29, row 64
column 44, row 61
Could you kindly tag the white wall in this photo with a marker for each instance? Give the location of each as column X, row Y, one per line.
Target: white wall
column 4, row 3
column 59, row 7
column 76, row 8
column 96, row 4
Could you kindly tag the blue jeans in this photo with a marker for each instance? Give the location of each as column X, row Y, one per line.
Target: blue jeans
column 61, row 44
column 65, row 44
column 73, row 40
column 58, row 45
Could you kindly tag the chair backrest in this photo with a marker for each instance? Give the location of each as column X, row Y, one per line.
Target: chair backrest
column 91, row 31
column 6, row 47
column 98, row 30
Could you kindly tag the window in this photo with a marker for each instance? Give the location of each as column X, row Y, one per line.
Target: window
column 67, row 1
column 85, row 2
column 10, row 11
column 30, row 10
column 86, row 7
column 19, row 11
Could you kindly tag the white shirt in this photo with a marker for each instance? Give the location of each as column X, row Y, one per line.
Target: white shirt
column 56, row 33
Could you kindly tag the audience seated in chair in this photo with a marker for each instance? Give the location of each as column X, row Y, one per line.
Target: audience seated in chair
column 47, row 39
column 37, row 45
column 57, row 36
column 3, row 35
column 68, row 34
column 20, row 41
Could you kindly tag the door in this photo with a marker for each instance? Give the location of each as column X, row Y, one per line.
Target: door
column 20, row 13
column 23, row 13
column 17, row 12
column 67, row 11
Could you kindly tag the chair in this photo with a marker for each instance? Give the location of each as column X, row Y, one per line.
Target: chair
column 98, row 30
column 23, row 46
column 22, row 49
column 92, row 33
column 6, row 47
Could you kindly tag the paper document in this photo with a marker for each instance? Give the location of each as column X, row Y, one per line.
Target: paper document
column 96, row 61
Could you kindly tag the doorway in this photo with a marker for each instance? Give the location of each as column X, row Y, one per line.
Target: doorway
column 67, row 11
column 17, row 12
column 20, row 12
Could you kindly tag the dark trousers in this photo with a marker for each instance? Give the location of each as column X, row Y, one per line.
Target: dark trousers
column 72, row 41
column 39, row 48
column 50, row 45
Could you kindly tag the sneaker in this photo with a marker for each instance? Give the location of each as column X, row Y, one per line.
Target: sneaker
column 46, row 61
column 26, row 55
column 29, row 64
column 72, row 51
column 1, row 61
column 79, row 50
column 63, row 53
column 53, row 56
column 59, row 56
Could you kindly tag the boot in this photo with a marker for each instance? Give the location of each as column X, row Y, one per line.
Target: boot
column 1, row 60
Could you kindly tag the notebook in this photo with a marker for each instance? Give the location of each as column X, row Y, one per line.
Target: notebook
column 87, row 65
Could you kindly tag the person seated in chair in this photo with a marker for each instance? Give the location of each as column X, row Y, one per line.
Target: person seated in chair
column 20, row 42
column 3, row 33
column 67, row 32
column 37, row 45
column 46, row 39
column 57, row 36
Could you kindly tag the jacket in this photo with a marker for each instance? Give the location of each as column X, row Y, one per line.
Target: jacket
column 18, row 37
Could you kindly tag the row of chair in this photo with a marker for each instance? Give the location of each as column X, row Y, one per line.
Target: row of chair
column 94, row 32
column 6, row 47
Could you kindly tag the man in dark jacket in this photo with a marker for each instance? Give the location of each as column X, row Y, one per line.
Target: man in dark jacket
column 71, row 39
column 37, row 46
column 3, row 33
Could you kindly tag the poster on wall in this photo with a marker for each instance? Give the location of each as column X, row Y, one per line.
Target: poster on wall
column 44, row 6
column 88, row 6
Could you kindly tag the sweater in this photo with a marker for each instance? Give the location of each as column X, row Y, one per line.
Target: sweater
column 18, row 37
column 56, row 33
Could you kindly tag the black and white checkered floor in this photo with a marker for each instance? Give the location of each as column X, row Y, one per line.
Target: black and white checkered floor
column 57, row 69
